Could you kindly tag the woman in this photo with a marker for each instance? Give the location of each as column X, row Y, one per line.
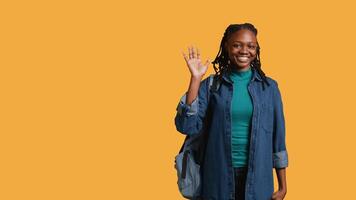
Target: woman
column 246, row 129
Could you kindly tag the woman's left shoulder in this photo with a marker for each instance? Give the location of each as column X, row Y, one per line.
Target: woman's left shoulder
column 272, row 81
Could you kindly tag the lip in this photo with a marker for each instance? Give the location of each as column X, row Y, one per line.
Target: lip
column 237, row 59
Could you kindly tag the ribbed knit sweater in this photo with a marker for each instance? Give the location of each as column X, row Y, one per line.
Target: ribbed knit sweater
column 241, row 113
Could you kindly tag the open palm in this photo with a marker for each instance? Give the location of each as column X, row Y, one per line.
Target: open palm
column 196, row 67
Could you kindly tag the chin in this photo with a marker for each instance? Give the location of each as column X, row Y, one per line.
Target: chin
column 243, row 65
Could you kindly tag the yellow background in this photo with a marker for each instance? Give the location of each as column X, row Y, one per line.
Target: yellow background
column 89, row 91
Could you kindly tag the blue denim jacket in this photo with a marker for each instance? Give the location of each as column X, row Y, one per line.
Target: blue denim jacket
column 267, row 143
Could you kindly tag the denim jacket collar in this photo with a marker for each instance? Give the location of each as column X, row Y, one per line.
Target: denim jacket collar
column 255, row 75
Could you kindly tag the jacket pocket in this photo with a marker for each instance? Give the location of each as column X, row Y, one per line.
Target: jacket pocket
column 267, row 118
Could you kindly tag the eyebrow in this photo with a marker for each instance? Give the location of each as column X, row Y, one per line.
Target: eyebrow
column 243, row 42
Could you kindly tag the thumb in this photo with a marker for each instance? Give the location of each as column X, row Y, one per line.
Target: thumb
column 207, row 62
column 274, row 195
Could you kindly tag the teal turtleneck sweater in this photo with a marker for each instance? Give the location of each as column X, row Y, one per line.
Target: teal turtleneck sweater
column 241, row 113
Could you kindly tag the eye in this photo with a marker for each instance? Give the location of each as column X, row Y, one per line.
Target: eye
column 236, row 45
column 252, row 47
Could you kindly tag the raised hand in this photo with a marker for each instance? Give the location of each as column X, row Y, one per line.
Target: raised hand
column 196, row 68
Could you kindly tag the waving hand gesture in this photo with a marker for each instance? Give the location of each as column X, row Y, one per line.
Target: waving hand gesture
column 196, row 67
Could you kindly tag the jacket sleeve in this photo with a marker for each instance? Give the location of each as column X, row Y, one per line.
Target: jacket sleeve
column 189, row 118
column 280, row 154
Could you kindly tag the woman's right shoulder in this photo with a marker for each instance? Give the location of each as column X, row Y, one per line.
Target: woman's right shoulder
column 208, row 76
column 208, row 80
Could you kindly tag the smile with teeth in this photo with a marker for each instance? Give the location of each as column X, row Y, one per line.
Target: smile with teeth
column 242, row 58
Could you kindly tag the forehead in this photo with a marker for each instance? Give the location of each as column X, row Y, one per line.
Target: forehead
column 242, row 35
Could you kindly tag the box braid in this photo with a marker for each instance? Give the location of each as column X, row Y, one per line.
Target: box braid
column 222, row 58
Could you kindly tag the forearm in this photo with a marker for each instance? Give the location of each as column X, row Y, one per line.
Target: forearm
column 193, row 89
column 281, row 176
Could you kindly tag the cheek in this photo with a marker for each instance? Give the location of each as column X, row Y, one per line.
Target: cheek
column 254, row 55
column 232, row 54
column 234, row 50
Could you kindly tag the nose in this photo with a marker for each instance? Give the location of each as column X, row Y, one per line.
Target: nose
column 243, row 50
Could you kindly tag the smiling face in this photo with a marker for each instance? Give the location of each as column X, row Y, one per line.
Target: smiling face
column 242, row 49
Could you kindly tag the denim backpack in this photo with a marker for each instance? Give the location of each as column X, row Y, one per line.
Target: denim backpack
column 190, row 158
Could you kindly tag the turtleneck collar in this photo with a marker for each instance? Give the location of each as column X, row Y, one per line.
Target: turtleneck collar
column 241, row 75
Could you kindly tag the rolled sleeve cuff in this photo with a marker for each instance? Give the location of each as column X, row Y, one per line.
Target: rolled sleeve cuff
column 186, row 109
column 280, row 159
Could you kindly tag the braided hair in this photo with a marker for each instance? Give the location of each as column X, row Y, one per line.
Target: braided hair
column 222, row 58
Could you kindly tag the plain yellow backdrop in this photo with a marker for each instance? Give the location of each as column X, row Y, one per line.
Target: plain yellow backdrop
column 89, row 90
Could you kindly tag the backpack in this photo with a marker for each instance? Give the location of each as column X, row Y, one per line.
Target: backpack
column 190, row 158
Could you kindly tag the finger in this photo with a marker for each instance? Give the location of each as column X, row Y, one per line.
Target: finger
column 190, row 52
column 198, row 54
column 185, row 57
column 207, row 62
column 193, row 52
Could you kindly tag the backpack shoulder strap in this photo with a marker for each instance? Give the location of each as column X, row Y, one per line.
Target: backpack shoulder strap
column 211, row 79
column 214, row 83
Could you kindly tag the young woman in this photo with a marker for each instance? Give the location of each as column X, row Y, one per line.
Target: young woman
column 246, row 128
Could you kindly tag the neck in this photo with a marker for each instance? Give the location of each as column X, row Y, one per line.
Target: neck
column 241, row 69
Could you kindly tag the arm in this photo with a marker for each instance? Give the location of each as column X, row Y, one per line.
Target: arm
column 193, row 104
column 193, row 89
column 192, row 107
column 280, row 153
column 282, row 184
